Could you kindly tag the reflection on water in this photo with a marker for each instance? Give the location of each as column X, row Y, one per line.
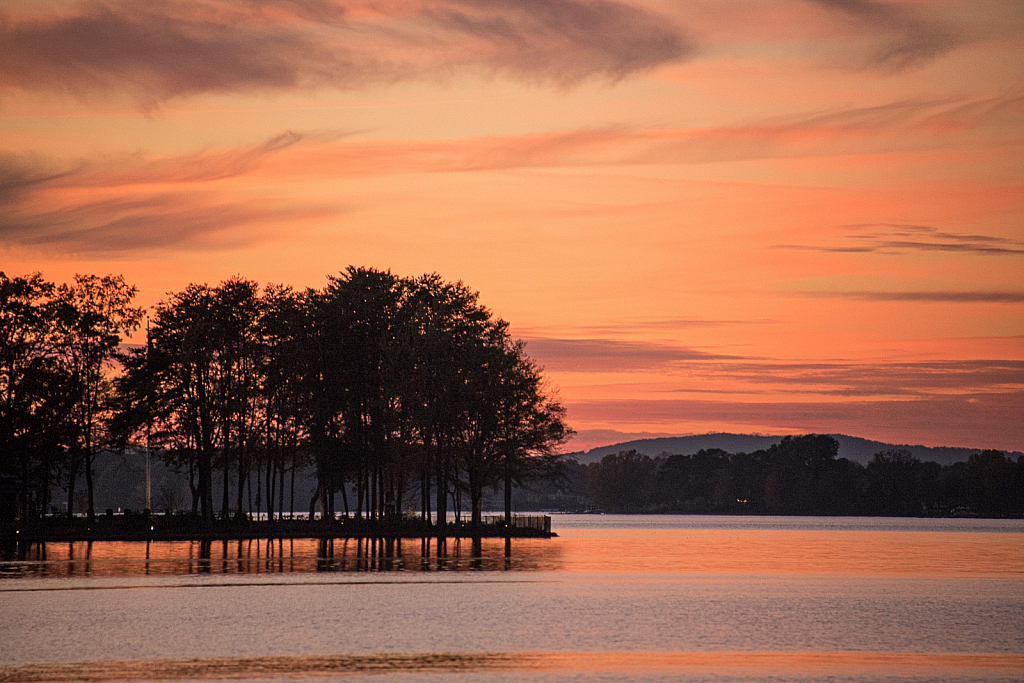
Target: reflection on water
column 762, row 552
column 772, row 523
column 654, row 544
column 269, row 556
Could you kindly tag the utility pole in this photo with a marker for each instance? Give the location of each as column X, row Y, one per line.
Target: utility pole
column 149, row 421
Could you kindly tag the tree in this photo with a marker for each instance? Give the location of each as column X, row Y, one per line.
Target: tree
column 993, row 484
column 894, row 483
column 35, row 390
column 282, row 328
column 531, row 427
column 95, row 312
column 177, row 374
column 622, row 481
column 797, row 477
column 446, row 327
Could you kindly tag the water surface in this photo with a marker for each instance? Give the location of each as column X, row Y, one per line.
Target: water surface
column 612, row 598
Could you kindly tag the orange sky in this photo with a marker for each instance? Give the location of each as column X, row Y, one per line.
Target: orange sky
column 772, row 216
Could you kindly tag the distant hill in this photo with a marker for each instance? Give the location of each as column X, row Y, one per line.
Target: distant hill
column 850, row 447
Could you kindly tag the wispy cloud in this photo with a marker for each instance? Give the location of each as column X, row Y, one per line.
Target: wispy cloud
column 161, row 50
column 138, row 203
column 705, row 371
column 849, row 378
column 39, row 209
column 937, row 296
column 895, row 126
column 899, row 238
column 905, row 38
column 150, row 222
column 19, row 174
column 607, row 355
column 620, row 327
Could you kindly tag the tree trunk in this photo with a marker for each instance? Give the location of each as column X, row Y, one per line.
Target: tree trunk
column 508, row 492
column 205, row 453
column 476, row 496
column 224, row 512
column 206, row 485
column 193, row 487
column 425, row 496
column 72, row 477
column 243, row 479
column 373, row 494
column 442, row 496
column 270, row 489
column 291, row 503
column 91, row 510
column 359, row 494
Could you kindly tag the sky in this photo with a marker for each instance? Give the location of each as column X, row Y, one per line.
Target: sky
column 756, row 216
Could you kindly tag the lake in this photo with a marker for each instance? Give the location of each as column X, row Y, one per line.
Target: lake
column 612, row 598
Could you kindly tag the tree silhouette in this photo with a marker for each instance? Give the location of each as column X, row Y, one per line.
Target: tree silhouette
column 94, row 312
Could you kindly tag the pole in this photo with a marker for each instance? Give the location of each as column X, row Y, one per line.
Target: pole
column 149, row 422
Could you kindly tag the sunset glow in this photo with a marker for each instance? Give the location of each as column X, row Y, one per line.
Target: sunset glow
column 751, row 216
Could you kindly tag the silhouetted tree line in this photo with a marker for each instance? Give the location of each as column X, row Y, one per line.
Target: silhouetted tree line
column 386, row 385
column 802, row 476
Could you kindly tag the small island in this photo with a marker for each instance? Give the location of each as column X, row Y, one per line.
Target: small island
column 384, row 388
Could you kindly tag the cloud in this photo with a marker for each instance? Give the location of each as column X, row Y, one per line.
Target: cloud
column 34, row 189
column 708, row 372
column 899, row 238
column 161, row 50
column 906, row 40
column 895, row 126
column 578, row 39
column 137, row 169
column 697, row 371
column 20, row 174
column 966, row 297
column 620, row 327
column 606, row 355
column 156, row 52
column 845, row 378
column 150, row 222
column 139, row 203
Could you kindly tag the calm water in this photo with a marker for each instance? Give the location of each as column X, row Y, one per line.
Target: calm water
column 613, row 598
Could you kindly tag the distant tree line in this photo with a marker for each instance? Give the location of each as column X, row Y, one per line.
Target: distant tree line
column 801, row 476
column 386, row 385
